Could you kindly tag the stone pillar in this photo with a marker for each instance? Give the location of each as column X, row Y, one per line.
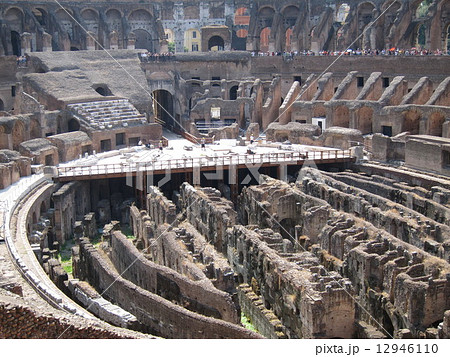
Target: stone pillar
column 131, row 43
column 90, row 41
column 26, row 43
column 164, row 46
column 113, row 40
column 47, row 42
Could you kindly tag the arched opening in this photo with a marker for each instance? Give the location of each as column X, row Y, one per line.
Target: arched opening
column 74, row 48
column 411, row 122
column 233, row 92
column 143, row 40
column 73, row 125
column 447, row 39
column 2, row 105
column 43, row 208
column 163, row 107
column 436, row 121
column 16, row 43
column 65, row 22
column 103, row 91
column 421, row 36
column 216, row 43
column 365, row 115
column 41, row 16
column 341, row 117
column 114, row 21
column 264, row 39
column 387, row 324
column 365, row 17
column 18, row 134
column 241, row 23
column 90, row 18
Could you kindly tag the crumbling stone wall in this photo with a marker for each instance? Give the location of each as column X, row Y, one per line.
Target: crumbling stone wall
column 159, row 315
column 402, row 222
column 199, row 296
column 21, row 321
column 209, row 213
column 308, row 303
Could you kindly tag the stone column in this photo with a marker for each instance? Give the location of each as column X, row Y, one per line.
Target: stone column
column 113, row 40
column 164, row 46
column 26, row 43
column 47, row 42
column 90, row 41
column 131, row 43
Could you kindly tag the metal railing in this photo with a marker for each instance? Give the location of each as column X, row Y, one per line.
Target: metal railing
column 251, row 160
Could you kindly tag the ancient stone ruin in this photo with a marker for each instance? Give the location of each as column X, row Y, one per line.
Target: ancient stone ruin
column 225, row 169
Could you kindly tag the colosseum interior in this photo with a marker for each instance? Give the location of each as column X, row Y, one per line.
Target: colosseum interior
column 225, row 169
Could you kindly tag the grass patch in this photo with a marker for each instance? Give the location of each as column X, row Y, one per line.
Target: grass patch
column 65, row 256
column 247, row 323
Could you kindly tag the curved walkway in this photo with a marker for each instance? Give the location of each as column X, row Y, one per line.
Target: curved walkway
column 19, row 247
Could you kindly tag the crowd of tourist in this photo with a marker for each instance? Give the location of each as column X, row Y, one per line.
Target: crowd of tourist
column 156, row 57
column 358, row 52
column 22, row 61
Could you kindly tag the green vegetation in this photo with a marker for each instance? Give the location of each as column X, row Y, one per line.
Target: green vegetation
column 247, row 323
column 126, row 230
column 65, row 256
column 171, row 46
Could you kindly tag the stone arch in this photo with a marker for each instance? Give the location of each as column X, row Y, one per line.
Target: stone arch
column 143, row 40
column 114, row 20
column 65, row 21
column 446, row 44
column 163, row 106
column 233, row 92
column 420, row 35
column 35, row 129
column 140, row 15
column 365, row 15
column 365, row 116
column 290, row 14
column 91, row 20
column 103, row 90
column 18, row 134
column 341, row 116
column 73, row 125
column 216, row 43
column 43, row 208
column 16, row 43
column 411, row 121
column 41, row 16
column 435, row 122
column 319, row 111
column 14, row 19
